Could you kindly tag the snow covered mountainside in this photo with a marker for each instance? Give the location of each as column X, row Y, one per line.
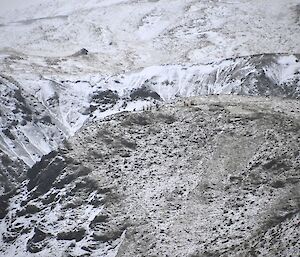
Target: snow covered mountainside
column 216, row 175
column 206, row 176
column 130, row 34
column 38, row 113
column 49, row 87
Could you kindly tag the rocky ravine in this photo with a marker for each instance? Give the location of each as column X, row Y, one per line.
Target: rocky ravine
column 207, row 176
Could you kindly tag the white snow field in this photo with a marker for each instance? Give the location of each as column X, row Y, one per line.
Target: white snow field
column 126, row 35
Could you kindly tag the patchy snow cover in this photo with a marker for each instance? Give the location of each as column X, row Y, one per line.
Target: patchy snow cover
column 132, row 38
column 139, row 54
column 41, row 111
column 215, row 175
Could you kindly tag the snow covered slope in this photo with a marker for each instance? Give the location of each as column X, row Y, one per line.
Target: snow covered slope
column 219, row 177
column 130, row 34
column 66, row 63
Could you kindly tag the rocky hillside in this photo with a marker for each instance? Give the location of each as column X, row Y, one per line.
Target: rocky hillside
column 206, row 176
column 65, row 63
column 47, row 109
column 39, row 112
column 185, row 162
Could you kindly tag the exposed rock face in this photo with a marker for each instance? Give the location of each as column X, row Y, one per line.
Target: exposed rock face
column 207, row 176
column 12, row 173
